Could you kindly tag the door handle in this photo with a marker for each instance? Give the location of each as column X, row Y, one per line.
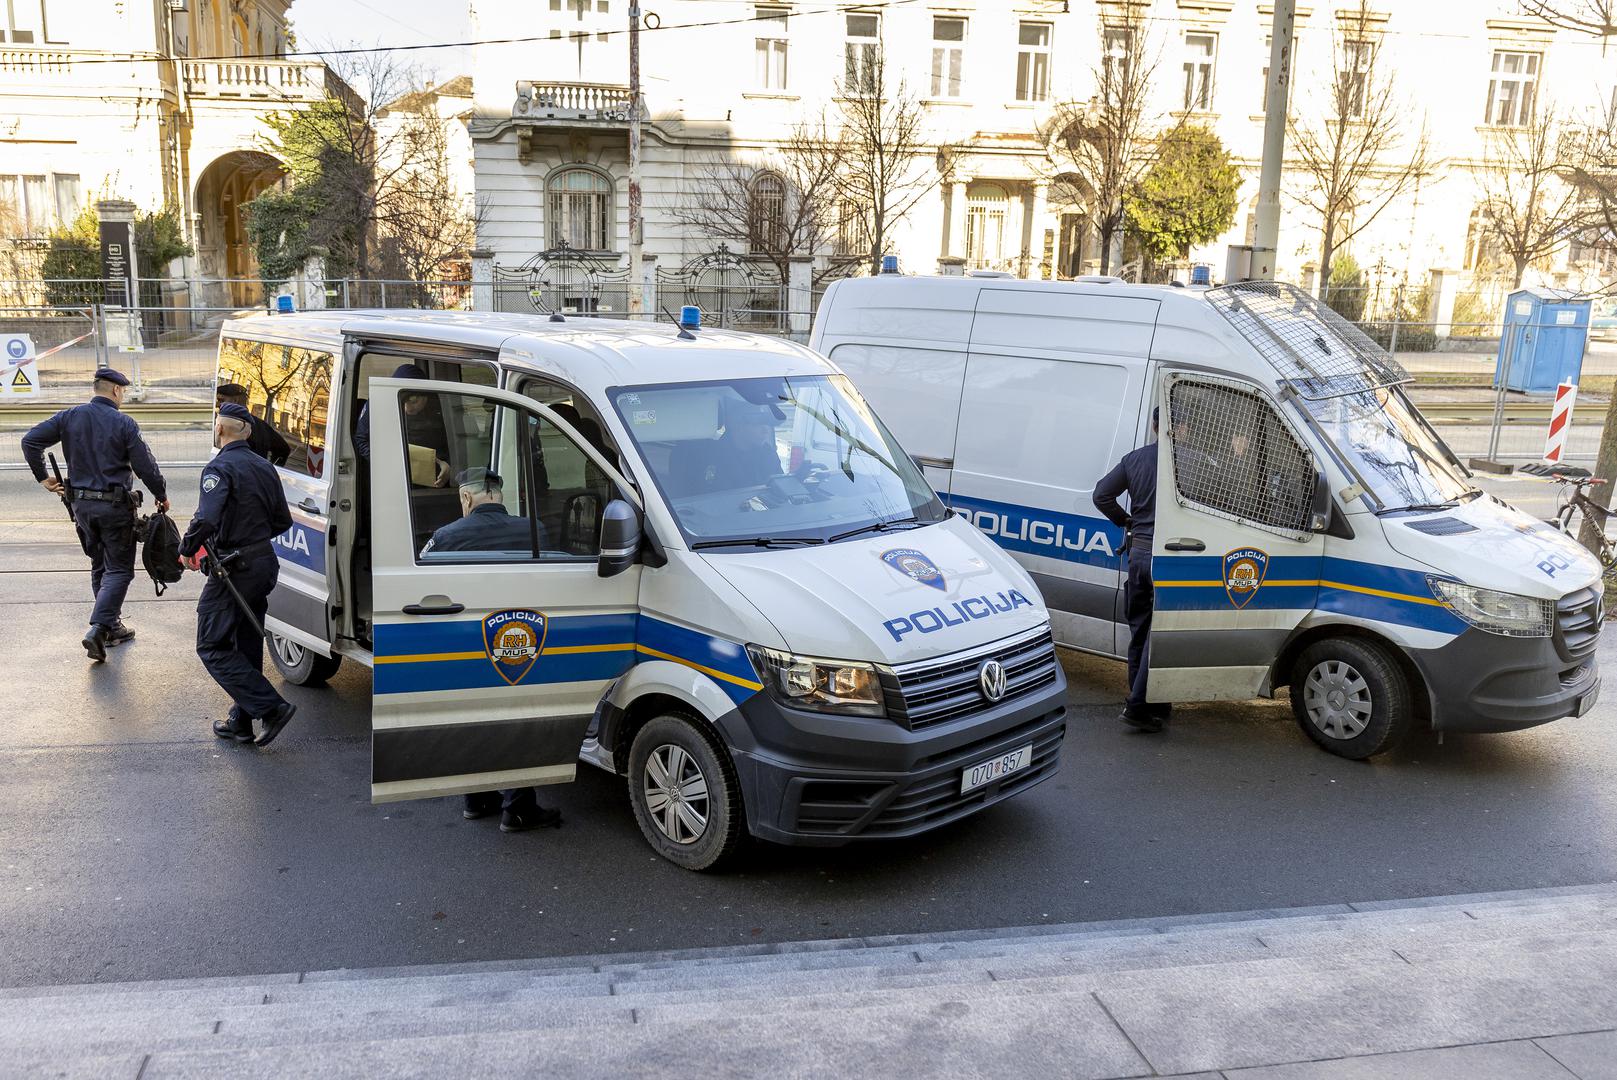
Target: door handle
column 309, row 506
column 1185, row 543
column 932, row 462
column 449, row 608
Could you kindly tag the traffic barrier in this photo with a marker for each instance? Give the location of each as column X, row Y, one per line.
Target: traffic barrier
column 1566, row 395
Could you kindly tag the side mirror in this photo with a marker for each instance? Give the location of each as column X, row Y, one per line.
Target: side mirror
column 620, row 538
column 1319, row 512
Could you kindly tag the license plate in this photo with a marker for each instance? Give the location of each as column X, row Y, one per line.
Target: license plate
column 1587, row 701
column 996, row 768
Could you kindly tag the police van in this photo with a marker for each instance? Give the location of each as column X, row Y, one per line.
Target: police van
column 1312, row 530
column 720, row 576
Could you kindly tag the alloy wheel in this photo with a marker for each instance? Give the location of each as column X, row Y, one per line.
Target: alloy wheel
column 676, row 794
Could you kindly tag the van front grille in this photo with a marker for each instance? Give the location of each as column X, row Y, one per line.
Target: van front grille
column 1577, row 622
column 935, row 691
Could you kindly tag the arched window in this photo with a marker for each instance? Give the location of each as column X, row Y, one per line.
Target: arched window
column 238, row 37
column 579, row 206
column 766, row 214
column 985, row 226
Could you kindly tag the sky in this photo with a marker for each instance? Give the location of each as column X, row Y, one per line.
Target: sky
column 337, row 23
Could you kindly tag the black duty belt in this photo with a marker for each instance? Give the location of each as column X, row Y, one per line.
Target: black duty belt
column 92, row 495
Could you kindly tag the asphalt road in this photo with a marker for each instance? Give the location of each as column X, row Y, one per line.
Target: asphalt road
column 133, row 844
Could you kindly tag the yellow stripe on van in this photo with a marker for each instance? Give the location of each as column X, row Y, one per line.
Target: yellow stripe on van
column 1383, row 593
column 563, row 650
column 422, row 658
column 714, row 672
column 1365, row 590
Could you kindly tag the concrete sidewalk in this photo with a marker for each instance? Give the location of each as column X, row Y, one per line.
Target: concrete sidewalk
column 1502, row 985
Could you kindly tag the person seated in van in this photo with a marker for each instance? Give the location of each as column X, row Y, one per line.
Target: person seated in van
column 264, row 440
column 420, row 429
column 744, row 456
column 485, row 524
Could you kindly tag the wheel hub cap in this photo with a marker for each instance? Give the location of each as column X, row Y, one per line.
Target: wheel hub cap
column 1337, row 699
column 676, row 794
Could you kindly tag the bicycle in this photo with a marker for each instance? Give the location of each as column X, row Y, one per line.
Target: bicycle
column 1579, row 481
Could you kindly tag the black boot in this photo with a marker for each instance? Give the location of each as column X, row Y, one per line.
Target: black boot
column 1141, row 719
column 530, row 817
column 481, row 804
column 275, row 721
column 231, row 728
column 95, row 643
column 119, row 634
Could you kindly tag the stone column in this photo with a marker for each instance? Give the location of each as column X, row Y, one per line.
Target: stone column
column 957, row 219
column 947, row 190
column 800, row 296
column 482, row 279
column 952, row 266
column 311, row 294
column 1444, row 286
column 1038, row 212
column 648, row 286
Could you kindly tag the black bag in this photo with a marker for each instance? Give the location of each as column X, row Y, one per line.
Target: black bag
column 160, row 552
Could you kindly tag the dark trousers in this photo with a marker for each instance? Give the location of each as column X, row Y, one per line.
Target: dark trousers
column 518, row 799
column 228, row 645
column 107, row 534
column 1139, row 601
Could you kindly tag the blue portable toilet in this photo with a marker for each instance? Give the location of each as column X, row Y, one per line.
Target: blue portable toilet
column 1543, row 339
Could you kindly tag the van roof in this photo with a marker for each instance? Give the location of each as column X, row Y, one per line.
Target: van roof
column 590, row 353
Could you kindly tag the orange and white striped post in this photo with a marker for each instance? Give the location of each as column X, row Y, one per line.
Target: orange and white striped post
column 1566, row 395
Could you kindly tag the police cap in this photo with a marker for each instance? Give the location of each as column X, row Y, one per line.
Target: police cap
column 236, row 412
column 478, row 477
column 107, row 374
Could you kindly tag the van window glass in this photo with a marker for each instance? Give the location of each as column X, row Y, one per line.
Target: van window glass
column 290, row 388
column 584, row 418
column 1401, row 460
column 1233, row 455
column 1048, row 422
column 775, row 461
column 926, row 381
column 481, row 486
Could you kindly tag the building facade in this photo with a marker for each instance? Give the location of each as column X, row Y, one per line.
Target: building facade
column 180, row 125
column 730, row 81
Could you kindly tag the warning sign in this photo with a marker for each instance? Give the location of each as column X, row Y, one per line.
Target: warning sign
column 19, row 377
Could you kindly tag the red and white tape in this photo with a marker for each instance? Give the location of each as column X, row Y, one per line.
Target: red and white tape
column 1566, row 395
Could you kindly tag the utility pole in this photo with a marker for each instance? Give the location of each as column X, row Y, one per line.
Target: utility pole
column 1278, row 91
column 637, row 225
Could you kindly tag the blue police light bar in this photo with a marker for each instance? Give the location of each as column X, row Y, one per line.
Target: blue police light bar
column 889, row 264
column 690, row 317
column 283, row 304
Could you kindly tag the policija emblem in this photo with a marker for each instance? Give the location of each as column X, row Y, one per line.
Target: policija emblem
column 915, row 566
column 1244, row 569
column 514, row 639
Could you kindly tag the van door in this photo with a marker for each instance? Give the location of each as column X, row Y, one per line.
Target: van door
column 289, row 388
column 494, row 635
column 1235, row 564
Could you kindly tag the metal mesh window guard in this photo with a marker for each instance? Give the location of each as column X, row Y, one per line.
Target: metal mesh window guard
column 1321, row 352
column 1234, row 456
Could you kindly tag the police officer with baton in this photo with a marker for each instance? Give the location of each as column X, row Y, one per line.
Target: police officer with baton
column 242, row 507
column 103, row 447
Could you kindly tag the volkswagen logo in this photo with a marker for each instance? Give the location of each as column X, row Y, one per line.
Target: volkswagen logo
column 991, row 680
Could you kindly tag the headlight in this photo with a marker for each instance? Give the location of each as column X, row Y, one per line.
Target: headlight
column 811, row 682
column 1497, row 612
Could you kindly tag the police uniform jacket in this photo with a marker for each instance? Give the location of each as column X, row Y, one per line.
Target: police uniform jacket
column 267, row 443
column 241, row 505
column 103, row 446
column 1136, row 476
column 489, row 527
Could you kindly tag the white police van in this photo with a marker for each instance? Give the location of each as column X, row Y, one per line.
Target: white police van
column 733, row 587
column 1312, row 530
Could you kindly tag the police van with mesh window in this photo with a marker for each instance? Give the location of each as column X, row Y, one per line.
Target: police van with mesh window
column 1312, row 529
column 720, row 576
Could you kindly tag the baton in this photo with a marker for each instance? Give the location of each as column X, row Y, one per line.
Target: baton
column 217, row 568
column 65, row 494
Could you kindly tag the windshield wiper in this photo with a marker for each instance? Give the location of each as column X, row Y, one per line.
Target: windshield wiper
column 1418, row 507
column 759, row 541
column 891, row 524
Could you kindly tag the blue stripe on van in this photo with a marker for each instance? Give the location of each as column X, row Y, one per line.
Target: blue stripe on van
column 1093, row 541
column 304, row 544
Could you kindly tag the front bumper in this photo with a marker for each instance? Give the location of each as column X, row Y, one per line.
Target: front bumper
column 816, row 780
column 1483, row 682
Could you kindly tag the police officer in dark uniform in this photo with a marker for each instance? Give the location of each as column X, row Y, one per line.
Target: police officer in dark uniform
column 265, row 441
column 1136, row 476
column 103, row 446
column 485, row 525
column 241, row 508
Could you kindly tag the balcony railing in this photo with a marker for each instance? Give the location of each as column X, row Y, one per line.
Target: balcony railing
column 34, row 63
column 571, row 101
column 258, row 80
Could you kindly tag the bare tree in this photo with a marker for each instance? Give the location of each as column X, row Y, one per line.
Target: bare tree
column 784, row 207
column 1531, row 203
column 875, row 136
column 1598, row 17
column 425, row 223
column 1595, row 174
column 1106, row 140
column 1359, row 152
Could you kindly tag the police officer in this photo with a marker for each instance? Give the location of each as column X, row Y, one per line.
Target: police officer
column 265, row 441
column 485, row 525
column 241, row 508
column 1136, row 476
column 103, row 446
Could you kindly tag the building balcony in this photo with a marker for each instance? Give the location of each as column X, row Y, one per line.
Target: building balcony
column 33, row 65
column 572, row 104
column 257, row 80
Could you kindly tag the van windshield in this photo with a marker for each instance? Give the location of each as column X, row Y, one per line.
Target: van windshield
column 774, row 462
column 1400, row 459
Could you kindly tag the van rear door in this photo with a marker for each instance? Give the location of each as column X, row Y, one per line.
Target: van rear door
column 1235, row 565
column 494, row 635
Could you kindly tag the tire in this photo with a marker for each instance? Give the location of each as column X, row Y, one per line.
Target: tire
column 675, row 741
column 1351, row 697
column 300, row 666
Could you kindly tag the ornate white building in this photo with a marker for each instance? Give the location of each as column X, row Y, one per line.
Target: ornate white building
column 731, row 79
